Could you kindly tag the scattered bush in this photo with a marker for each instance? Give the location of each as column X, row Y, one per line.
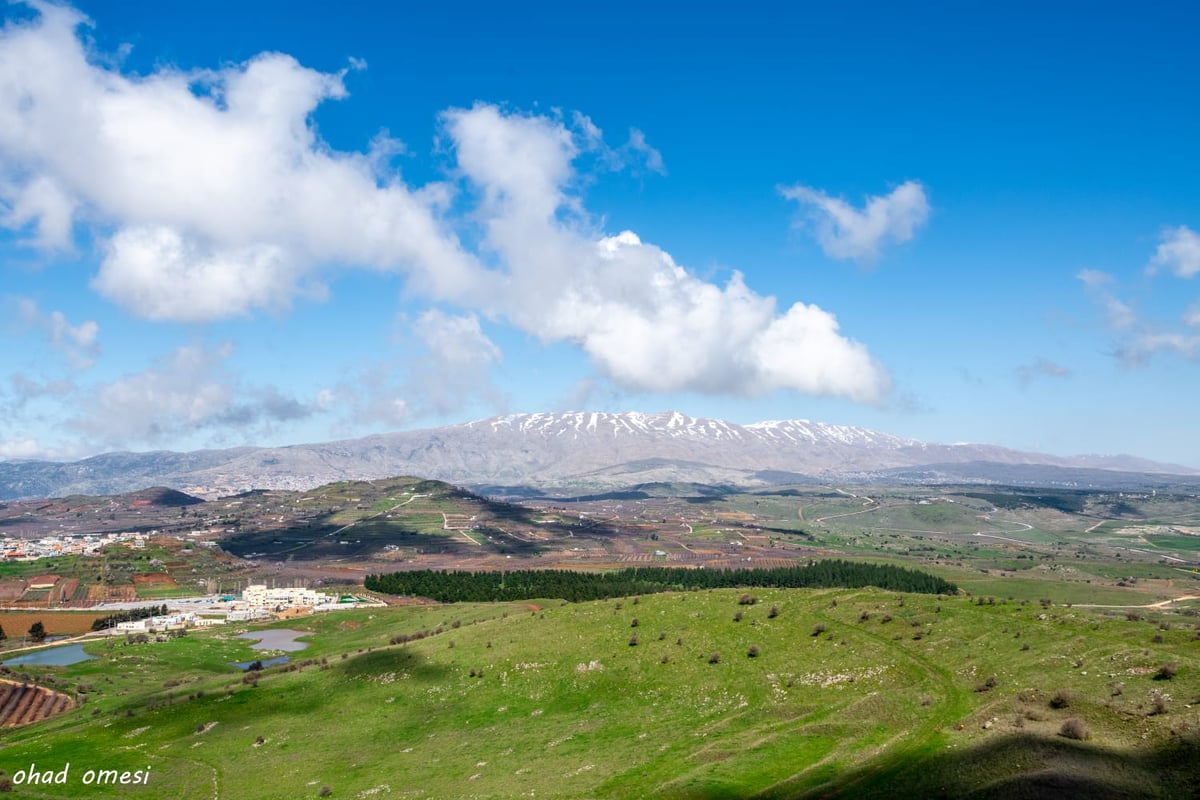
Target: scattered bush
column 1167, row 671
column 325, row 792
column 886, row 618
column 818, row 629
column 1062, row 699
column 633, row 623
column 747, row 600
column 633, row 640
column 1158, row 703
column 987, row 685
column 714, row 658
column 737, row 617
column 1075, row 728
column 773, row 613
column 1024, row 647
column 864, row 616
column 753, row 651
column 666, row 658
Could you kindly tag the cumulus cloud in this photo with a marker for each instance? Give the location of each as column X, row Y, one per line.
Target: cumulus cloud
column 845, row 232
column 1178, row 252
column 219, row 196
column 213, row 197
column 648, row 323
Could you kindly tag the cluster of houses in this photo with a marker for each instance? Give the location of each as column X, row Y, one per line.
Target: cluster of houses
column 257, row 602
column 88, row 544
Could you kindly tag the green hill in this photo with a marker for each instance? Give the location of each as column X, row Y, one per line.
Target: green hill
column 786, row 693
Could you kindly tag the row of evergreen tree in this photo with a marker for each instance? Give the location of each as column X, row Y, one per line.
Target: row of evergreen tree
column 463, row 586
column 144, row 612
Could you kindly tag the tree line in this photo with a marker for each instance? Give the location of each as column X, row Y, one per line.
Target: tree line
column 457, row 586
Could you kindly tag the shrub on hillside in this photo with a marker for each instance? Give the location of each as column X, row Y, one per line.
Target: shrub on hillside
column 1167, row 671
column 1062, row 699
column 1075, row 728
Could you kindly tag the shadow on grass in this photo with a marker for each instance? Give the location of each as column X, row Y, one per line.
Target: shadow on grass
column 1025, row 768
column 392, row 661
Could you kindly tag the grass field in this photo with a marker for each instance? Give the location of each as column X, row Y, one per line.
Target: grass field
column 848, row 694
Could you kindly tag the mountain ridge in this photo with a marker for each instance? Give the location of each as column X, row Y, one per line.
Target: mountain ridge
column 579, row 450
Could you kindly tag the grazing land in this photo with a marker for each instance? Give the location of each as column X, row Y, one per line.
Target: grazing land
column 1065, row 663
column 724, row 693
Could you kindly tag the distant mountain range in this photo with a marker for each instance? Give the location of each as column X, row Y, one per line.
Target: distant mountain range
column 579, row 452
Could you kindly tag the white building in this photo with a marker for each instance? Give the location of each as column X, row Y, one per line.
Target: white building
column 259, row 596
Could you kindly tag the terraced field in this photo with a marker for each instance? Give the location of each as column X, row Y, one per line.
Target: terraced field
column 22, row 703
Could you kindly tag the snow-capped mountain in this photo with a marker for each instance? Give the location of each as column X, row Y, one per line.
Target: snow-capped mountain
column 572, row 451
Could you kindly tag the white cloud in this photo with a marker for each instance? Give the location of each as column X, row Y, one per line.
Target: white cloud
column 1119, row 315
column 22, row 447
column 651, row 157
column 649, row 324
column 456, row 368
column 78, row 343
column 1137, row 350
column 188, row 391
column 214, row 198
column 219, row 195
column 1178, row 252
column 845, row 232
column 1191, row 317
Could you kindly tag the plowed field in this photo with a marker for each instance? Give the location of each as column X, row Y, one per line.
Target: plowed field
column 23, row 703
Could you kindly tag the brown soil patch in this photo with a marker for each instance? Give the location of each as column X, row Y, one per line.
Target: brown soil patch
column 154, row 579
column 11, row 589
column 24, row 703
column 17, row 623
column 99, row 593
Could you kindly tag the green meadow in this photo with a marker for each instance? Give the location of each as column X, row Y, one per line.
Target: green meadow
column 702, row 694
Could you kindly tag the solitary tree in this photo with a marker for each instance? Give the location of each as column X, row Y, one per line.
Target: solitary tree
column 37, row 631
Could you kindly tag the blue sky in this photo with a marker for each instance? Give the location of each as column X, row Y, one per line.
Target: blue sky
column 226, row 224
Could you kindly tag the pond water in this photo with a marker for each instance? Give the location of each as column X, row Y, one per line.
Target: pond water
column 266, row 662
column 52, row 657
column 277, row 639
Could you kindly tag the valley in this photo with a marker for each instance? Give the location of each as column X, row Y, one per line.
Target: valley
column 1065, row 660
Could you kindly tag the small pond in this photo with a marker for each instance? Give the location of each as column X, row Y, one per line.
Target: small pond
column 266, row 662
column 274, row 639
column 277, row 639
column 52, row 657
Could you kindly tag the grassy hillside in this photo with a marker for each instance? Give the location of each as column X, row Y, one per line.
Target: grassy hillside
column 848, row 693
